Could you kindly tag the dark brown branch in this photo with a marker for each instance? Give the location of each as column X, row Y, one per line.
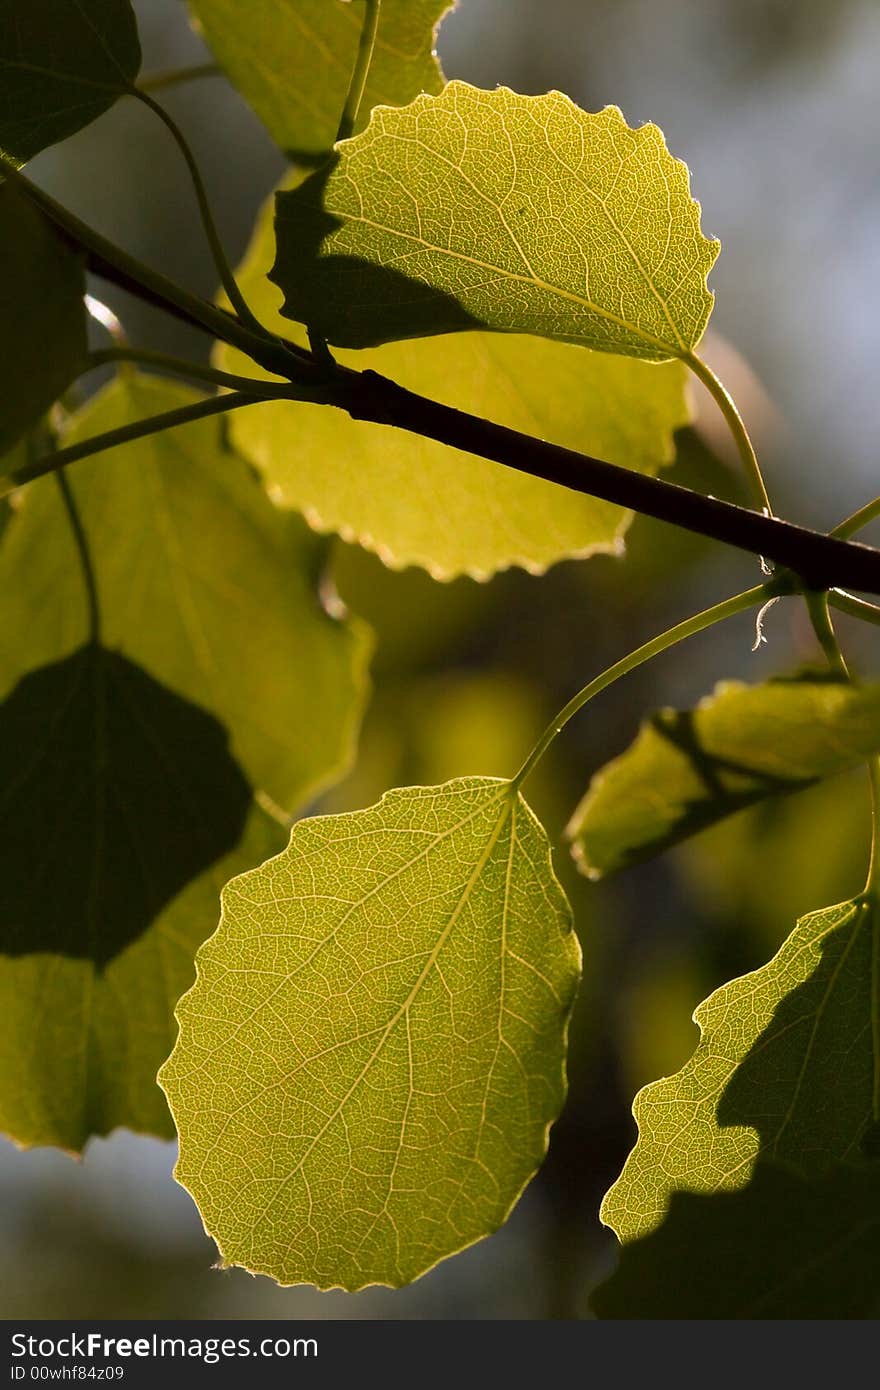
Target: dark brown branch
column 819, row 560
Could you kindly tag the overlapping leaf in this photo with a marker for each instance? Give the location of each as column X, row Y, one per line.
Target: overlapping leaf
column 373, row 1050
column 202, row 582
column 292, row 60
column 489, row 209
column 129, row 766
column 415, row 501
column 63, row 63
column 42, row 316
column 786, row 1069
column 742, row 744
column 782, row 1247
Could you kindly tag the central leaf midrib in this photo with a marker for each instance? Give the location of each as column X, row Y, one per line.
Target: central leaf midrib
column 673, row 350
column 403, row 1009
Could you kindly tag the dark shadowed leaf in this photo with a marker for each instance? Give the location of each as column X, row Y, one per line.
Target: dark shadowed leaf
column 63, row 63
column 116, row 791
column 43, row 342
column 782, row 1247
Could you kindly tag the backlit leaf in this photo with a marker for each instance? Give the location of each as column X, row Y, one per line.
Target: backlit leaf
column 786, row 1069
column 414, row 501
column 43, row 342
column 520, row 214
column 688, row 769
column 373, row 1051
column 783, row 1247
column 63, row 63
column 292, row 60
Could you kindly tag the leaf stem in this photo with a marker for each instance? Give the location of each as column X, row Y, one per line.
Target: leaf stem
column 224, row 269
column 85, row 558
column 138, row 429
column 817, row 606
column 361, row 70
column 858, row 519
column 740, row 603
column 855, row 607
column 161, row 81
column 745, row 448
column 254, row 386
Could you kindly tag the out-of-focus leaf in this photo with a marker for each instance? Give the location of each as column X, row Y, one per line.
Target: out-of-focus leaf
column 373, row 1051
column 689, row 768
column 292, row 60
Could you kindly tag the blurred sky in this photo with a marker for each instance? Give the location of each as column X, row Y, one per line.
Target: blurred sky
column 775, row 106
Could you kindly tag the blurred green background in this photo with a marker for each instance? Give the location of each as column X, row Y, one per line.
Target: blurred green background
column 775, row 107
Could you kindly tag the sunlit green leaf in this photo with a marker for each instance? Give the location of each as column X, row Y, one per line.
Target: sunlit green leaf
column 293, row 59
column 129, row 770
column 373, row 1051
column 688, row 769
column 414, row 501
column 786, row 1069
column 782, row 1247
column 63, row 63
column 43, row 341
column 522, row 214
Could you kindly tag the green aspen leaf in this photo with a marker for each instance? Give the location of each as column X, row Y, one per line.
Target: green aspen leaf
column 786, row 1069
column 292, row 60
column 43, row 342
column 783, row 1247
column 215, row 649
column 489, row 209
column 63, row 63
column 202, row 582
column 414, row 501
column 373, row 1051
column 688, row 769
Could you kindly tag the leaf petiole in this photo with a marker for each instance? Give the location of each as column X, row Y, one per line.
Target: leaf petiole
column 740, row 603
column 361, row 70
column 722, row 397
column 138, row 429
column 85, row 558
column 224, row 269
column 175, row 366
column 854, row 523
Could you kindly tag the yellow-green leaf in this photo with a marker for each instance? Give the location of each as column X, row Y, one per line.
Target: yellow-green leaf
column 373, row 1050
column 520, row 214
column 688, row 769
column 786, row 1069
column 416, row 502
column 293, row 59
column 63, row 63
